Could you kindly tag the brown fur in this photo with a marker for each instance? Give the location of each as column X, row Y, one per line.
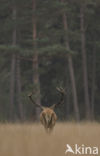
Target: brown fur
column 48, row 118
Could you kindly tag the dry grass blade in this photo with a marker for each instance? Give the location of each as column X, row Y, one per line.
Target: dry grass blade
column 31, row 139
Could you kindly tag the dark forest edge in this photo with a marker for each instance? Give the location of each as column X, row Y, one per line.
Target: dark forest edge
column 45, row 44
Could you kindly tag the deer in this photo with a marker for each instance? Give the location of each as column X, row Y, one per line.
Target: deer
column 48, row 116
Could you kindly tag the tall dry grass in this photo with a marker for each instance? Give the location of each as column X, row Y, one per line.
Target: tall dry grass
column 31, row 139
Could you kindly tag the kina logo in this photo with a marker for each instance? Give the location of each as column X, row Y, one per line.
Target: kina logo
column 81, row 149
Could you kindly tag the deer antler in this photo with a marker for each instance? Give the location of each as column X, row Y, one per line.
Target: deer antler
column 38, row 105
column 62, row 92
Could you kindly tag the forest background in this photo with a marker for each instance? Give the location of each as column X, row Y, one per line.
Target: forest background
column 48, row 44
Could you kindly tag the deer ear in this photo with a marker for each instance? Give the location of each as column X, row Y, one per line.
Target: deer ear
column 53, row 106
column 43, row 107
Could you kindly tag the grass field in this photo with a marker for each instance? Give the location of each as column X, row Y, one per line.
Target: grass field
column 31, row 139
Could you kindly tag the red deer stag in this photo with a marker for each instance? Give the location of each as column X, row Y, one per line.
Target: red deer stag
column 48, row 117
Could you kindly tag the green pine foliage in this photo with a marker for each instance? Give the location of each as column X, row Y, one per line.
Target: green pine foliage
column 53, row 65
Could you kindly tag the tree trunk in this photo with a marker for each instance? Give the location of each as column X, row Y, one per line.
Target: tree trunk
column 35, row 63
column 13, row 64
column 12, row 86
column 84, row 62
column 71, row 69
column 93, row 83
column 67, row 98
column 18, row 85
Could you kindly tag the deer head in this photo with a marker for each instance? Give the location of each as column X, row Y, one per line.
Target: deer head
column 48, row 116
